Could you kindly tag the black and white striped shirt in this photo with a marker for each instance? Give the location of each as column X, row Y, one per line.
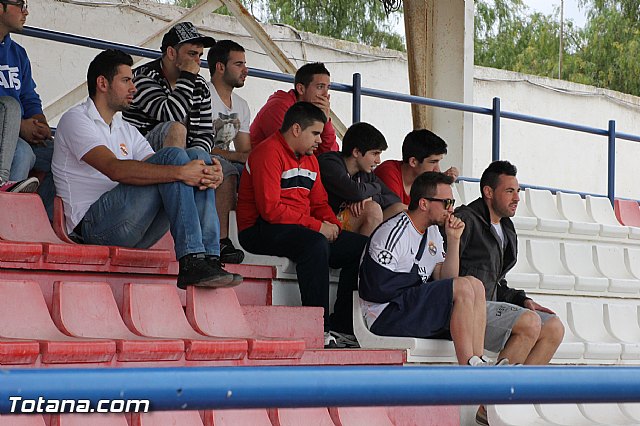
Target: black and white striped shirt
column 188, row 103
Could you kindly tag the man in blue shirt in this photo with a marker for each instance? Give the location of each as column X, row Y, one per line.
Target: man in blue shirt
column 24, row 131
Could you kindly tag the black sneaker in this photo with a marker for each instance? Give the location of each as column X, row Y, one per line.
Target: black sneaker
column 215, row 262
column 197, row 270
column 230, row 254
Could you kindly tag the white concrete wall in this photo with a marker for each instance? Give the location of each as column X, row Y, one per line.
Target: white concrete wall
column 545, row 156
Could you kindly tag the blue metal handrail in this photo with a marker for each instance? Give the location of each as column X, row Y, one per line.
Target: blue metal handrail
column 251, row 387
column 358, row 91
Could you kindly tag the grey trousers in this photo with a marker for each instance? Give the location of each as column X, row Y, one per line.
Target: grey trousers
column 10, row 115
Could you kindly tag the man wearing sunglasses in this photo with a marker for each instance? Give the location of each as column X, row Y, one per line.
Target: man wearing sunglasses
column 24, row 131
column 397, row 296
column 518, row 328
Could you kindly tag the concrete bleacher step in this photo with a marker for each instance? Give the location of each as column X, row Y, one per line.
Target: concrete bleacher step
column 364, row 416
column 427, row 415
column 234, row 417
column 290, row 322
column 167, row 418
column 217, row 312
column 161, row 257
column 318, row 416
column 16, row 351
column 24, row 315
column 21, row 420
column 155, row 311
column 426, row 350
column 82, row 309
column 88, row 419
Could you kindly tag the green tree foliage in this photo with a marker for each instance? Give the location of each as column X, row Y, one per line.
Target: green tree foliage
column 361, row 21
column 604, row 53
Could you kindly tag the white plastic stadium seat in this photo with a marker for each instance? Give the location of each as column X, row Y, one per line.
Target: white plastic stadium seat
column 435, row 349
column 601, row 211
column 522, row 275
column 621, row 321
column 587, row 323
column 563, row 414
column 572, row 208
column 631, row 410
column 514, row 415
column 543, row 206
column 604, row 414
column 544, row 256
column 470, row 191
column 571, row 349
column 456, row 195
column 524, row 219
column 632, row 261
column 578, row 259
column 611, row 263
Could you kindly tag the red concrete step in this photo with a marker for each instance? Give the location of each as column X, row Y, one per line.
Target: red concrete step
column 21, row 420
column 24, row 315
column 167, row 418
column 217, row 312
column 11, row 251
column 88, row 419
column 291, row 322
column 318, row 416
column 85, row 309
column 369, row 416
column 154, row 310
column 253, row 417
column 16, row 351
column 429, row 415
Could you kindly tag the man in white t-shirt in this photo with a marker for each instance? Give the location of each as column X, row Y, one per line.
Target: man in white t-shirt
column 116, row 191
column 406, row 250
column 231, row 119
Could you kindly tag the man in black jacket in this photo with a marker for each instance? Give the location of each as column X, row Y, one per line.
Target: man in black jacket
column 360, row 200
column 517, row 327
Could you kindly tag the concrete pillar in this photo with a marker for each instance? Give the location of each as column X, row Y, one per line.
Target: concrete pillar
column 440, row 50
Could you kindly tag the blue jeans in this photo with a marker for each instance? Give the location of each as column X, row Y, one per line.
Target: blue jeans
column 138, row 216
column 23, row 161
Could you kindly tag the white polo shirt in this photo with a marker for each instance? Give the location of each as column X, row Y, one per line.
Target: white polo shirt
column 79, row 131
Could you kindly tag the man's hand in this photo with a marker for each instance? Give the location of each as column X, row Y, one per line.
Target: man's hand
column 197, row 173
column 329, row 230
column 357, row 208
column 530, row 304
column 324, row 103
column 34, row 131
column 189, row 65
column 453, row 227
column 453, row 172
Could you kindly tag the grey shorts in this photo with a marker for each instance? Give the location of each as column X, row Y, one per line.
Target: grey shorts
column 158, row 134
column 228, row 168
column 501, row 318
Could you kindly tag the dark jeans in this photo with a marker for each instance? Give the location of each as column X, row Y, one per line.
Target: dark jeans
column 313, row 255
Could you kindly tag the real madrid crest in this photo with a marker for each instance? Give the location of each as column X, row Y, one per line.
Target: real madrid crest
column 384, row 257
column 432, row 248
column 123, row 149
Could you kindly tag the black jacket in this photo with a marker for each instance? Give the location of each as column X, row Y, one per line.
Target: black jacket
column 481, row 253
column 342, row 188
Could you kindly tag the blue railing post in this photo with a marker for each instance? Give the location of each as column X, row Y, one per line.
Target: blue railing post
column 495, row 130
column 357, row 97
column 611, row 163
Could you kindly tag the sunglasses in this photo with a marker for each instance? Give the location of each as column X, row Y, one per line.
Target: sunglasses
column 447, row 202
column 22, row 4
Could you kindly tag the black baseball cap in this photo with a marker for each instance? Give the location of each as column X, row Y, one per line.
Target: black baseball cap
column 185, row 32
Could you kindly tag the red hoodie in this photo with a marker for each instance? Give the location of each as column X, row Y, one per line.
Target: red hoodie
column 270, row 117
column 281, row 188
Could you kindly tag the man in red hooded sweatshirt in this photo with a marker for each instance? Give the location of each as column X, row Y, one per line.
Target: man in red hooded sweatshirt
column 311, row 84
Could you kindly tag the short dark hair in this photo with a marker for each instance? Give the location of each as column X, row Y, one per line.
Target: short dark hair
column 305, row 73
column 303, row 113
column 421, row 144
column 364, row 137
column 426, row 185
column 105, row 64
column 219, row 52
column 492, row 173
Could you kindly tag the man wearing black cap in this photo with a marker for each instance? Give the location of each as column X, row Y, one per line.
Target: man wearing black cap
column 172, row 106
